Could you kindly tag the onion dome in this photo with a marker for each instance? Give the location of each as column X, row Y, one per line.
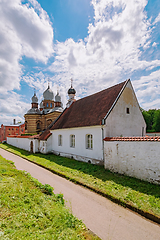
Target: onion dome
column 34, row 98
column 71, row 90
column 57, row 97
column 48, row 94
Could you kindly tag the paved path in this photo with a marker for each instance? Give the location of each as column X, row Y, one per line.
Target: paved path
column 106, row 219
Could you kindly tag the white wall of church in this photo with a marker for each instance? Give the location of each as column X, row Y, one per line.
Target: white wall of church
column 23, row 143
column 79, row 152
column 138, row 159
column 121, row 123
column 45, row 146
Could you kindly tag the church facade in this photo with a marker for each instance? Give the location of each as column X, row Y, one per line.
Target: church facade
column 37, row 119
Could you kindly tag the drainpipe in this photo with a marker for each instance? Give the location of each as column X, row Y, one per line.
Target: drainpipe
column 102, row 127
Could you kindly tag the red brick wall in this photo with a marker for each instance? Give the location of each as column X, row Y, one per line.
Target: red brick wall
column 11, row 130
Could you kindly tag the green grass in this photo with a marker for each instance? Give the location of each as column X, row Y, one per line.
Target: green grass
column 130, row 191
column 30, row 210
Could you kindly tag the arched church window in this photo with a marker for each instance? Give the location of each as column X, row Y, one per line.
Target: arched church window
column 26, row 125
column 47, row 104
column 38, row 125
column 51, row 105
column 49, row 121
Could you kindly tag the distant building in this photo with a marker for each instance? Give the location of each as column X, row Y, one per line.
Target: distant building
column 37, row 119
column 11, row 130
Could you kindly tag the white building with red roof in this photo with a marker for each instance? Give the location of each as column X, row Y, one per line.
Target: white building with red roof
column 79, row 131
column 105, row 128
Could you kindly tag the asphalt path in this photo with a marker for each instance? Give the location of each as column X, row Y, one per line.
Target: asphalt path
column 106, row 219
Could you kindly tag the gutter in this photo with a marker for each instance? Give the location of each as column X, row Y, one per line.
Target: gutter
column 102, row 127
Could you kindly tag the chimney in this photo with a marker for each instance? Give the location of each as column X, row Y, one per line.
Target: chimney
column 14, row 121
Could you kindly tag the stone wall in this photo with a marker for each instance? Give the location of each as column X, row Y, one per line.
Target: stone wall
column 140, row 159
column 24, row 143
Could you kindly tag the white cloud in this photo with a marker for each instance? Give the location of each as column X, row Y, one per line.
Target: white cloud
column 25, row 30
column 111, row 52
column 116, row 47
column 157, row 19
column 12, row 107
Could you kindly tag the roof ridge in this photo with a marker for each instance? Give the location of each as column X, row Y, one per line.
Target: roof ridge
column 100, row 91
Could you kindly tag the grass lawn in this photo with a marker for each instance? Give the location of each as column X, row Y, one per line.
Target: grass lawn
column 30, row 210
column 125, row 190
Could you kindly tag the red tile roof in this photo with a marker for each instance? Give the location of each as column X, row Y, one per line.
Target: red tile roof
column 34, row 136
column 25, row 136
column 17, row 136
column 146, row 138
column 45, row 135
column 89, row 111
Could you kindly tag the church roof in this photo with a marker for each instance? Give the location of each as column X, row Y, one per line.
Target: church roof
column 34, row 111
column 34, row 98
column 57, row 97
column 48, row 94
column 90, row 111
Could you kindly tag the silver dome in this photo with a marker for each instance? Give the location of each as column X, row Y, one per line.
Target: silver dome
column 57, row 97
column 48, row 94
column 34, row 98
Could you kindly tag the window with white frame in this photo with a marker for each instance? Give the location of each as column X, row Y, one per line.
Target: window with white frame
column 59, row 140
column 72, row 140
column 89, row 141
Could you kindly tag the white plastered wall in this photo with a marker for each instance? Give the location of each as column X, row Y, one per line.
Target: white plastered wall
column 46, row 145
column 119, row 123
column 135, row 159
column 23, row 143
column 79, row 152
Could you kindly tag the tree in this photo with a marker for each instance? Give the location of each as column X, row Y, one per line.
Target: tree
column 148, row 119
column 151, row 118
column 156, row 120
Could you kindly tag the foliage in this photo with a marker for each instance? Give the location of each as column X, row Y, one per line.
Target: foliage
column 156, row 121
column 140, row 194
column 152, row 119
column 27, row 213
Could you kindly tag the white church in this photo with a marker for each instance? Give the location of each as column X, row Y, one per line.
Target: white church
column 80, row 130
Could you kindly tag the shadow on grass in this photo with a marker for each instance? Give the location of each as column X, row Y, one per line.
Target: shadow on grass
column 97, row 172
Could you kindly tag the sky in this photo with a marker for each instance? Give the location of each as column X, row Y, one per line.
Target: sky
column 97, row 43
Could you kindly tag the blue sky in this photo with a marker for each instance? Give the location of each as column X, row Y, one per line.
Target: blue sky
column 98, row 43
